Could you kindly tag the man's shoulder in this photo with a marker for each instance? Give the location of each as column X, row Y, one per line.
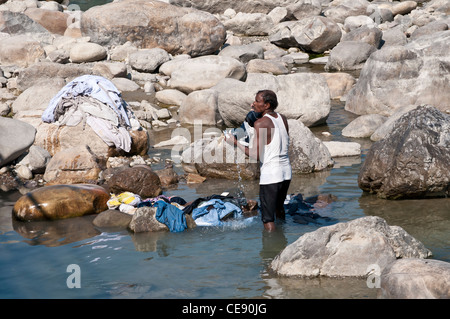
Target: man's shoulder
column 263, row 122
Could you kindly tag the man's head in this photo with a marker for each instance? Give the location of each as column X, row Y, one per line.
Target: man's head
column 270, row 97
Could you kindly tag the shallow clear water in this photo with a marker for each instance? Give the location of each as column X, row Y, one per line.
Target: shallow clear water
column 205, row 262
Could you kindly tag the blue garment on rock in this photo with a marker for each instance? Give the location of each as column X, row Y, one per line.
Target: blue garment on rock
column 170, row 215
column 213, row 211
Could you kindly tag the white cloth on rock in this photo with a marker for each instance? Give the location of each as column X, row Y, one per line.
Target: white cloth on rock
column 95, row 101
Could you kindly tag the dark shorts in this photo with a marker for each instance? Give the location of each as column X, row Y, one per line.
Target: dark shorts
column 272, row 198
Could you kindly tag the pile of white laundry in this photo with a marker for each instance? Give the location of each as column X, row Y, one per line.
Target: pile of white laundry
column 95, row 101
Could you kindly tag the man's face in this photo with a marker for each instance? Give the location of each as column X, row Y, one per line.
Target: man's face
column 258, row 105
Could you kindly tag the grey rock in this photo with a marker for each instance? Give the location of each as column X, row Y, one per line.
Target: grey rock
column 412, row 161
column 17, row 137
column 397, row 76
column 413, row 278
column 348, row 249
column 112, row 218
column 144, row 220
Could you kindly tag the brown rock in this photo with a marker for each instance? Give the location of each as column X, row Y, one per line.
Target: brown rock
column 150, row 24
column 139, row 179
column 61, row 201
column 192, row 178
column 144, row 220
column 21, row 50
column 72, row 166
column 167, row 176
column 54, row 21
column 55, row 138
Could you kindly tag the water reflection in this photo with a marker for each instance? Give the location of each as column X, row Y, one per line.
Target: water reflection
column 273, row 243
column 428, row 220
column 152, row 242
column 320, row 287
column 56, row 232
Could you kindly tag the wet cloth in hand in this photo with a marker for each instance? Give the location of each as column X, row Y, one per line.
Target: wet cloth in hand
column 212, row 212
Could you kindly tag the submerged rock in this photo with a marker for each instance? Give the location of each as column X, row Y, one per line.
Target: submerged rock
column 414, row 278
column 348, row 249
column 61, row 201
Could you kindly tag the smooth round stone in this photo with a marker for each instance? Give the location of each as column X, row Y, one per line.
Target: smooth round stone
column 61, row 201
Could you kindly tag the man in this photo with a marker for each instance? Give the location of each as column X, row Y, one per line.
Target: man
column 270, row 147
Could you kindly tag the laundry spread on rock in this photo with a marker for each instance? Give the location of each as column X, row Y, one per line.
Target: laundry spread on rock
column 218, row 210
column 95, row 101
column 214, row 210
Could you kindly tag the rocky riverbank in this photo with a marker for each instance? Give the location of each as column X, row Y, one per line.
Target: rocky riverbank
column 181, row 67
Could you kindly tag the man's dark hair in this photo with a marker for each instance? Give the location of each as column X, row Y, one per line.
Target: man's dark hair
column 270, row 97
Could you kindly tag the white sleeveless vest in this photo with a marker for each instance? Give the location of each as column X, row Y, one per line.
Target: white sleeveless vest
column 275, row 164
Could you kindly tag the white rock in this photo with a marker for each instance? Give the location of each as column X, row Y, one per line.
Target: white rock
column 87, row 52
column 339, row 149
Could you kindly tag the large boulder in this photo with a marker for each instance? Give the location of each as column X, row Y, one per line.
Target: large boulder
column 20, row 50
column 339, row 10
column 308, row 102
column 316, row 34
column 43, row 72
column 397, row 76
column 54, row 21
column 219, row 6
column 55, row 138
column 17, row 137
column 215, row 158
column 16, row 23
column 250, row 24
column 307, row 153
column 61, row 201
column 37, row 97
column 349, row 55
column 412, row 161
column 205, row 72
column 348, row 249
column 414, row 278
column 150, row 24
column 200, row 106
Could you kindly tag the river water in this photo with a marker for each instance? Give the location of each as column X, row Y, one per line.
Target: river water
column 206, row 262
